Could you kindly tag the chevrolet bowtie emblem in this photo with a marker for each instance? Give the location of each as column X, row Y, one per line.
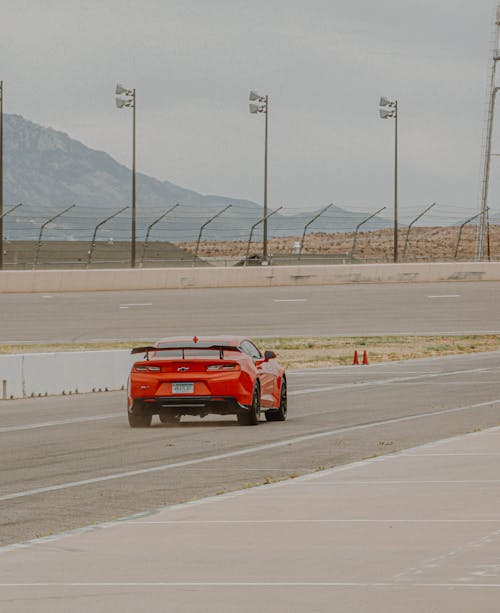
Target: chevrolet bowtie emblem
column 183, row 369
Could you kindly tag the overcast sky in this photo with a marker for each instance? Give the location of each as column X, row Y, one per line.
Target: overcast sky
column 324, row 64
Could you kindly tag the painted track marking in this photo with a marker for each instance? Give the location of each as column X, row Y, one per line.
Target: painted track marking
column 310, row 390
column 240, row 452
column 290, row 300
column 60, row 422
column 149, row 584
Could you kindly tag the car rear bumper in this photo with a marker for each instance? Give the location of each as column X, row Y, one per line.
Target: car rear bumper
column 192, row 405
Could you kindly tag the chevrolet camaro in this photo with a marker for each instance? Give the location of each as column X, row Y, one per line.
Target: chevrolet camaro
column 223, row 375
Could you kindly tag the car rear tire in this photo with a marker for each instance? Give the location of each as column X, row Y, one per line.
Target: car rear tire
column 138, row 416
column 252, row 416
column 280, row 413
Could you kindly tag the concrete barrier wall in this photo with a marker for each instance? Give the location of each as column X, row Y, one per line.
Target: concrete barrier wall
column 11, row 376
column 45, row 374
column 254, row 276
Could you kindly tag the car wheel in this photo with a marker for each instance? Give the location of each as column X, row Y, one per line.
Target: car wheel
column 138, row 416
column 168, row 418
column 252, row 417
column 280, row 413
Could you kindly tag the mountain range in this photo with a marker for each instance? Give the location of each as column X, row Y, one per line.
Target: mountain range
column 48, row 171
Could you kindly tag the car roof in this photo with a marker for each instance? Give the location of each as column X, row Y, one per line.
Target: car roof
column 230, row 340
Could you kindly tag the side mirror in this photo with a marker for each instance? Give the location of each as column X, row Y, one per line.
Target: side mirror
column 269, row 355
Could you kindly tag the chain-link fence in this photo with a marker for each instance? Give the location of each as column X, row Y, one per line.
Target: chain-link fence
column 180, row 235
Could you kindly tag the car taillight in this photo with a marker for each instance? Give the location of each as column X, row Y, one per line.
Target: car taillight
column 222, row 367
column 140, row 368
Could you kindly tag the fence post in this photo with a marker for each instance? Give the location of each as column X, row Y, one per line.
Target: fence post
column 150, row 228
column 359, row 226
column 101, row 223
column 309, row 223
column 10, row 210
column 411, row 224
column 203, row 227
column 462, row 227
column 253, row 228
column 42, row 228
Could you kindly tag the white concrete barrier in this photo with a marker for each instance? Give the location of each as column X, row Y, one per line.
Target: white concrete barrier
column 12, row 281
column 45, row 374
column 11, row 376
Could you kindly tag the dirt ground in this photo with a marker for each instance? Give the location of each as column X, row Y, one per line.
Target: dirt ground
column 431, row 243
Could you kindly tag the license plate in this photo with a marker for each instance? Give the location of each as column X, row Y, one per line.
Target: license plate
column 182, row 388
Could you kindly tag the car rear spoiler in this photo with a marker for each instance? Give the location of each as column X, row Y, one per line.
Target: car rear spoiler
column 220, row 347
column 145, row 350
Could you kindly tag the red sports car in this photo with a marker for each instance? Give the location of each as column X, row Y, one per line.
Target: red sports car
column 225, row 375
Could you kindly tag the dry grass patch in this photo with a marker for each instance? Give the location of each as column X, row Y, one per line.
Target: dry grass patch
column 317, row 351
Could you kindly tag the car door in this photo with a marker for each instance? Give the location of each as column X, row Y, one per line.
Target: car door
column 267, row 374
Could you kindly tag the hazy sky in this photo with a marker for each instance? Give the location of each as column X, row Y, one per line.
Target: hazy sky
column 324, row 64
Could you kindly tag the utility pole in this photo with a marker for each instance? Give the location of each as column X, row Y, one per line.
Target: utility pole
column 392, row 113
column 485, row 181
column 129, row 102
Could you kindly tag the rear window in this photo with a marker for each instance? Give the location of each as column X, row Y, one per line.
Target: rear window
column 188, row 353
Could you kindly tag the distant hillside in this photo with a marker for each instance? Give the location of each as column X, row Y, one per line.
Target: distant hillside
column 48, row 171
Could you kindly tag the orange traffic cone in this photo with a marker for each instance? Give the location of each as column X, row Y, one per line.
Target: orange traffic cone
column 356, row 359
column 365, row 357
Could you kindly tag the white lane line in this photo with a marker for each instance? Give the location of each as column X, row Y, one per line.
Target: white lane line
column 245, row 451
column 245, row 492
column 309, row 390
column 365, row 520
column 149, row 584
column 290, row 300
column 47, row 296
column 60, row 422
column 445, row 296
column 453, row 454
column 341, row 386
column 136, row 304
column 405, row 482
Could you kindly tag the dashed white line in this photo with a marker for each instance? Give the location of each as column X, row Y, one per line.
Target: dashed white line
column 290, row 300
column 445, row 296
column 135, row 304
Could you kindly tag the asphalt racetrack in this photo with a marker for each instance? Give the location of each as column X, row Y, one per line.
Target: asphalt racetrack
column 364, row 309
column 73, row 461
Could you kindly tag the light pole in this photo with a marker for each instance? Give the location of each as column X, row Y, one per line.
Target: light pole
column 1, row 175
column 260, row 104
column 129, row 102
column 389, row 110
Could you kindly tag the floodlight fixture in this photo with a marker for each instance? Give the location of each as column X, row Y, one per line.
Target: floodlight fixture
column 383, row 101
column 120, row 103
column 120, row 89
column 254, row 108
column 254, row 96
column 385, row 114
